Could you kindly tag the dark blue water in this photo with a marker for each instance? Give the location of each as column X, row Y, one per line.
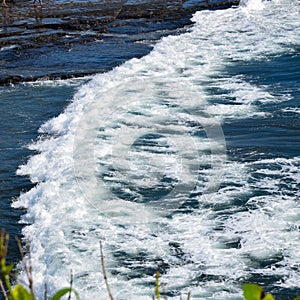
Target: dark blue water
column 277, row 135
column 274, row 137
column 23, row 109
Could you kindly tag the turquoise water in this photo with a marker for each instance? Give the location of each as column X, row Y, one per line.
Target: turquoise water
column 185, row 160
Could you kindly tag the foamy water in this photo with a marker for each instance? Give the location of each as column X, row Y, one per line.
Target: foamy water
column 139, row 161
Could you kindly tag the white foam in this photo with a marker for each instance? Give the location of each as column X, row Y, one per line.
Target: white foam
column 295, row 110
column 58, row 82
column 165, row 92
column 6, row 48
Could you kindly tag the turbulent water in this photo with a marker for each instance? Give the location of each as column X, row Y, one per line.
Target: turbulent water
column 184, row 161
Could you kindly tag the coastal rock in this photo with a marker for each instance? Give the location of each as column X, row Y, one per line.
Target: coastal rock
column 56, row 40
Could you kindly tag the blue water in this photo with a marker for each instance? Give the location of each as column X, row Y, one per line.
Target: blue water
column 23, row 109
column 240, row 76
column 277, row 135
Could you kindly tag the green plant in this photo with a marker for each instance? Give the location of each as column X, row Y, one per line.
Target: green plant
column 255, row 292
column 157, row 292
column 19, row 292
column 157, row 289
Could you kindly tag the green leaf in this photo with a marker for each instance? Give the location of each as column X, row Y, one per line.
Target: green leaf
column 20, row 293
column 255, row 292
column 297, row 298
column 7, row 269
column 268, row 297
column 63, row 292
column 252, row 291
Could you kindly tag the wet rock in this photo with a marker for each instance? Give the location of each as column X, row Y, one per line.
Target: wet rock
column 38, row 42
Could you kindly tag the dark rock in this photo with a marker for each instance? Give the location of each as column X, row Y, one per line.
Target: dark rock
column 30, row 33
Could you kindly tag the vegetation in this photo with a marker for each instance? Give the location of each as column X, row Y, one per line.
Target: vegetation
column 20, row 292
column 255, row 292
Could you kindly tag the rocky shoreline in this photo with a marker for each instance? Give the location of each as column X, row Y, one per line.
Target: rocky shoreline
column 33, row 39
